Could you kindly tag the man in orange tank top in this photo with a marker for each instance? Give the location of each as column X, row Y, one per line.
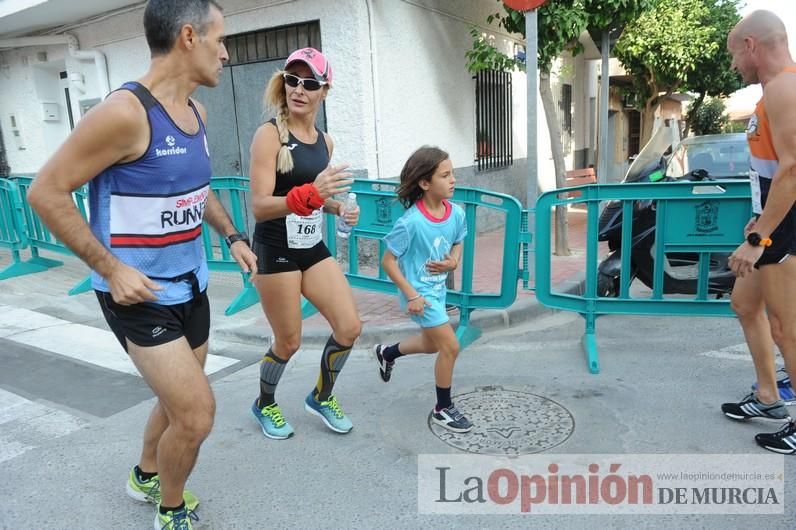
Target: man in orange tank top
column 764, row 264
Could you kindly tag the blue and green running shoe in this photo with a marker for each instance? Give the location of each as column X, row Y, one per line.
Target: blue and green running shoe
column 272, row 422
column 330, row 412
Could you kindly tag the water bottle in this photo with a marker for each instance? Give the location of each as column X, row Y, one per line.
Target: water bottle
column 343, row 228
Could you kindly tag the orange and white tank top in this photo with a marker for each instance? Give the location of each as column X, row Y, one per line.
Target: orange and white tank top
column 764, row 160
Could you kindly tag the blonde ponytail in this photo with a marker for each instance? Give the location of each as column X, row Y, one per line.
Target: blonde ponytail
column 275, row 100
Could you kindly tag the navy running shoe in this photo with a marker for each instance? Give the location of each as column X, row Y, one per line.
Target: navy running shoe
column 786, row 392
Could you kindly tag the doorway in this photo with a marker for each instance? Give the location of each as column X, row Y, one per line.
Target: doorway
column 235, row 106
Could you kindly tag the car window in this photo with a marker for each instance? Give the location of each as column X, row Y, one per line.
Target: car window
column 720, row 158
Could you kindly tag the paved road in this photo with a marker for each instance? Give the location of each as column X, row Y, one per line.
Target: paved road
column 70, row 423
column 58, row 376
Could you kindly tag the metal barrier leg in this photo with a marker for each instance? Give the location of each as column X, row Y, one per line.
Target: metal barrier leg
column 19, row 267
column 81, row 287
column 249, row 297
column 465, row 333
column 589, row 343
column 307, row 309
column 47, row 263
column 246, row 298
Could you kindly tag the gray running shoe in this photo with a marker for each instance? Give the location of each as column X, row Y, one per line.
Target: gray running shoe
column 751, row 408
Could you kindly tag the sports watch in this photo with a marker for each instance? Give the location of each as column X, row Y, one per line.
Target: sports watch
column 755, row 240
column 234, row 238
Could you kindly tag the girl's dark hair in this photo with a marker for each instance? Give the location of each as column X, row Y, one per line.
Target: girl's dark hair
column 420, row 166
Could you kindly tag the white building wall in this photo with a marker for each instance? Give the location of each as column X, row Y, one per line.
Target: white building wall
column 17, row 88
column 121, row 38
column 29, row 77
column 47, row 84
column 424, row 93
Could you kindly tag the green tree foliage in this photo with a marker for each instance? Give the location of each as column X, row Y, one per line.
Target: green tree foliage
column 708, row 117
column 678, row 45
column 613, row 15
column 484, row 56
column 713, row 76
column 734, row 127
column 560, row 24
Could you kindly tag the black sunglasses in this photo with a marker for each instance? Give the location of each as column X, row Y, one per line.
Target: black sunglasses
column 307, row 82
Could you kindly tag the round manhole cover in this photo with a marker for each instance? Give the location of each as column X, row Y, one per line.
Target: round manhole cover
column 508, row 422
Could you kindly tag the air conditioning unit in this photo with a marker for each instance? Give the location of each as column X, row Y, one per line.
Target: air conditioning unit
column 38, row 58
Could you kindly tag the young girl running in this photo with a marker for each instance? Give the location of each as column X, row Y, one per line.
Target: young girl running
column 423, row 246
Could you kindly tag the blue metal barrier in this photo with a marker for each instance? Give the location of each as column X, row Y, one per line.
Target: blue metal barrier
column 233, row 193
column 693, row 217
column 12, row 231
column 379, row 211
column 526, row 250
column 40, row 238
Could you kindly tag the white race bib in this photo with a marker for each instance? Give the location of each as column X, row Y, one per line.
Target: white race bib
column 304, row 231
column 757, row 203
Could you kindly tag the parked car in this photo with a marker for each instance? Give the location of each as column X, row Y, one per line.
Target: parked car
column 721, row 155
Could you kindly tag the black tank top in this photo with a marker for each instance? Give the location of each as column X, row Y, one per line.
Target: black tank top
column 308, row 161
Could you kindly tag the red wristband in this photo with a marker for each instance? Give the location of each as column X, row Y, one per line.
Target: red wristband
column 314, row 199
column 303, row 200
column 295, row 204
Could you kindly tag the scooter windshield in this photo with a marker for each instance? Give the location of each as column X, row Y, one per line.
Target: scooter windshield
column 651, row 156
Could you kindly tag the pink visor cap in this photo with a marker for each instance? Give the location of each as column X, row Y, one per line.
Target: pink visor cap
column 317, row 62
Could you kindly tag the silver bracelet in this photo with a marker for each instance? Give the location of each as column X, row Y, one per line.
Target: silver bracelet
column 413, row 299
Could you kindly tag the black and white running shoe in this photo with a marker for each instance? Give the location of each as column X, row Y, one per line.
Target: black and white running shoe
column 783, row 441
column 451, row 419
column 385, row 367
column 751, row 408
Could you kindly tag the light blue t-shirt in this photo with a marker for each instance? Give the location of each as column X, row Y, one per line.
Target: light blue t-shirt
column 418, row 238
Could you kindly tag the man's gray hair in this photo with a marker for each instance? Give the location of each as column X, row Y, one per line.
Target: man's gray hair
column 163, row 20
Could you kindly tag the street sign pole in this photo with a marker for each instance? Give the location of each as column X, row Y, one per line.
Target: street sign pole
column 532, row 77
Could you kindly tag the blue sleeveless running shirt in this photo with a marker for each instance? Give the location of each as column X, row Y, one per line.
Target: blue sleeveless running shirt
column 148, row 212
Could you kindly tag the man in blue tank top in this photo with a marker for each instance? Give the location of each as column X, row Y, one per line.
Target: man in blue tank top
column 144, row 153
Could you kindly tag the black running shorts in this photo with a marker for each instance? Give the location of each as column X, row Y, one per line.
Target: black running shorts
column 272, row 259
column 783, row 242
column 149, row 324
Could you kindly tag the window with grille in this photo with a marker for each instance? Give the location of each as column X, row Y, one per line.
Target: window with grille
column 493, row 119
column 272, row 43
column 565, row 115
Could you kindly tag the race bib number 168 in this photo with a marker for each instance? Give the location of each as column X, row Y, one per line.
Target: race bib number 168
column 304, row 231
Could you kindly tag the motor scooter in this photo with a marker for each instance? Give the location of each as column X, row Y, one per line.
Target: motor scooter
column 681, row 270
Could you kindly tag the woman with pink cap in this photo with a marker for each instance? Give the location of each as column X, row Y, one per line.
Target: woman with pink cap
column 292, row 183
